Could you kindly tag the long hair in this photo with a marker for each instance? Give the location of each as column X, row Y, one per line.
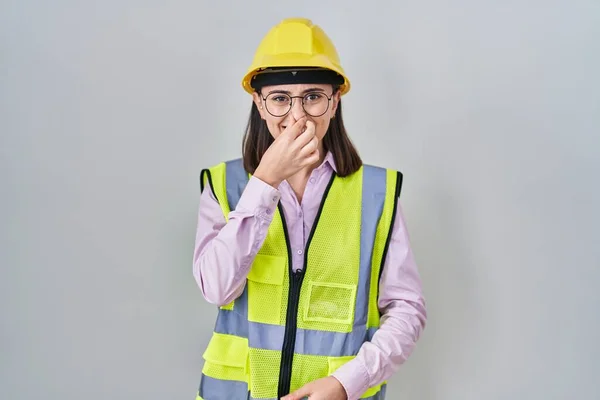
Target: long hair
column 257, row 140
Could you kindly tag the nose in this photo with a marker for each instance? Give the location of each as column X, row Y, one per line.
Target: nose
column 297, row 110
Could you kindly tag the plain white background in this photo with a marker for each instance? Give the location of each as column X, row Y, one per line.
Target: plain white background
column 110, row 109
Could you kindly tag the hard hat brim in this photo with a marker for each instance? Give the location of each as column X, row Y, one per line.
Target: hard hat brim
column 293, row 60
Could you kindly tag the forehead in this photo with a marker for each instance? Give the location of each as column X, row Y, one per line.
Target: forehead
column 297, row 88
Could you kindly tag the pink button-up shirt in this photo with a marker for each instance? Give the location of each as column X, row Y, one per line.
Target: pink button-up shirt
column 224, row 253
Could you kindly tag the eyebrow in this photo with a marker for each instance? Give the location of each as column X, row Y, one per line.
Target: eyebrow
column 314, row 89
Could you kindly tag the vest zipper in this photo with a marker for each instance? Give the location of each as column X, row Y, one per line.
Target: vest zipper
column 289, row 341
column 291, row 318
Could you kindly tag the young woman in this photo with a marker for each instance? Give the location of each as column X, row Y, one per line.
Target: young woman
column 303, row 248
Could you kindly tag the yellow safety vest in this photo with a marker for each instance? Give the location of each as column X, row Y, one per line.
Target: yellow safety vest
column 290, row 328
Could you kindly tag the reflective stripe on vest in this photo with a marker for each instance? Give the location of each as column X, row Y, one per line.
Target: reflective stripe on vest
column 337, row 307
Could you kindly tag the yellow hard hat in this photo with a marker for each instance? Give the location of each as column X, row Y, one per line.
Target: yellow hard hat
column 296, row 43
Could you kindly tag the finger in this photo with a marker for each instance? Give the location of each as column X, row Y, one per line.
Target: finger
column 310, row 147
column 304, row 138
column 311, row 159
column 294, row 130
column 304, row 391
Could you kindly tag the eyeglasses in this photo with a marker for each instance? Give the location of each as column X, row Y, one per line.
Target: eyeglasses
column 314, row 104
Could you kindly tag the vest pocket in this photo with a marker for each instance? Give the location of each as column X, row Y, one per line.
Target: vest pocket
column 265, row 289
column 330, row 302
column 226, row 357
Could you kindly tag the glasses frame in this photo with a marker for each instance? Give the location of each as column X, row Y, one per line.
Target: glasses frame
column 292, row 103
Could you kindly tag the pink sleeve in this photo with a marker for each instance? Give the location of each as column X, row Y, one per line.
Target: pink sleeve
column 403, row 319
column 223, row 251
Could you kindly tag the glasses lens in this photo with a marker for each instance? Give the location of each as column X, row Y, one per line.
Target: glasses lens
column 278, row 104
column 315, row 104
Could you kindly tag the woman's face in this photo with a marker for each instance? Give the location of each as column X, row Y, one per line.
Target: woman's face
column 282, row 105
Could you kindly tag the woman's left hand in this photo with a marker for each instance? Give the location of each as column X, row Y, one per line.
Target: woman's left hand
column 327, row 388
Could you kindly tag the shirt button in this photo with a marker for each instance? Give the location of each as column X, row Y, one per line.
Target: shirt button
column 299, row 251
column 268, row 211
column 312, row 180
column 274, row 199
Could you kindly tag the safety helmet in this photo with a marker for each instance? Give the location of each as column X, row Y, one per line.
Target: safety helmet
column 296, row 43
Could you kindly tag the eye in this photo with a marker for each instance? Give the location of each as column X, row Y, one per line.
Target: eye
column 314, row 97
column 280, row 99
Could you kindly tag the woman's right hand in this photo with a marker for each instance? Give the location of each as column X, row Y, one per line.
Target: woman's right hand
column 291, row 151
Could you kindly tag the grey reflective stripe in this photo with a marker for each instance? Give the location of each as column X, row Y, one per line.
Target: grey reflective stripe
column 234, row 322
column 218, row 389
column 373, row 197
column 270, row 337
column 264, row 336
column 331, row 344
column 236, row 179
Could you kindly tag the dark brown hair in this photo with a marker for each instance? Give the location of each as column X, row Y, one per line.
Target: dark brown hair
column 257, row 140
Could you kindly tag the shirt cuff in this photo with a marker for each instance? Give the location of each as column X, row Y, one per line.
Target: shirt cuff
column 259, row 198
column 354, row 378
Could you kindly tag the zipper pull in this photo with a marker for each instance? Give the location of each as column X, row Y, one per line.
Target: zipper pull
column 298, row 273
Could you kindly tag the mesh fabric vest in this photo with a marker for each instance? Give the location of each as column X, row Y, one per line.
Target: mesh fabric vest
column 290, row 328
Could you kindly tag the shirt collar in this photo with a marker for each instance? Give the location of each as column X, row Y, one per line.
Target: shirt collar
column 329, row 161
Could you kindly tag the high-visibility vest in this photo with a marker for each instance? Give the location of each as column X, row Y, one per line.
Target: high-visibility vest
column 290, row 328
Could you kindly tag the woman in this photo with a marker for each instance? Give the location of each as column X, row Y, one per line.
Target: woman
column 303, row 248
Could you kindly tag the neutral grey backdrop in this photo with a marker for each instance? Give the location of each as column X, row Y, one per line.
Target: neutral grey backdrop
column 110, row 109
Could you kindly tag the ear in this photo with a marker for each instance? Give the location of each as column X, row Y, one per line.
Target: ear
column 259, row 104
column 334, row 103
